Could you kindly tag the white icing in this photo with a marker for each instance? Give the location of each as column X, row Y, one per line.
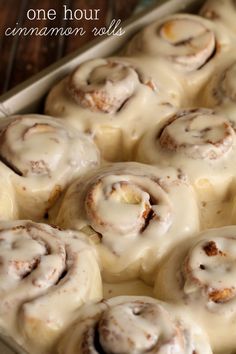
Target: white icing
column 220, row 91
column 129, row 324
column 187, row 40
column 124, row 97
column 36, row 304
column 199, row 142
column 191, row 46
column 100, row 85
column 116, row 101
column 42, row 155
column 136, row 210
column 8, row 205
column 199, row 277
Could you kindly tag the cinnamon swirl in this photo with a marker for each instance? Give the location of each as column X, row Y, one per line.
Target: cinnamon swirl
column 42, row 155
column 200, row 275
column 115, row 99
column 128, row 325
column 220, row 91
column 46, row 274
column 190, row 44
column 131, row 211
column 198, row 142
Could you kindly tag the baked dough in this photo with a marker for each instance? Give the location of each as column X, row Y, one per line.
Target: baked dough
column 45, row 276
column 132, row 213
column 189, row 44
column 130, row 325
column 42, row 155
column 200, row 276
column 116, row 100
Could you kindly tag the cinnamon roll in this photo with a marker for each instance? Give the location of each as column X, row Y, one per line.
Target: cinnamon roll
column 128, row 325
column 131, row 212
column 46, row 274
column 8, row 205
column 221, row 12
column 42, row 155
column 114, row 99
column 198, row 142
column 190, row 44
column 200, row 275
column 220, row 91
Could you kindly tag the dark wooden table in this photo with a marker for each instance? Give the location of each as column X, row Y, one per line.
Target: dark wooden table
column 23, row 56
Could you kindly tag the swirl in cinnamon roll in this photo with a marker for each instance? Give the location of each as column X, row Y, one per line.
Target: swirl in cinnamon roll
column 45, row 275
column 201, row 144
column 109, row 98
column 132, row 213
column 42, row 155
column 220, row 91
column 191, row 45
column 206, row 277
column 197, row 135
column 128, row 324
column 103, row 85
column 200, row 274
column 221, row 12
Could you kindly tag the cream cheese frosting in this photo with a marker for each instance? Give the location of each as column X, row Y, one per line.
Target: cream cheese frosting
column 189, row 43
column 42, row 155
column 45, row 275
column 199, row 142
column 130, row 221
column 132, row 213
column 116, row 100
column 199, row 277
column 129, row 324
column 220, row 92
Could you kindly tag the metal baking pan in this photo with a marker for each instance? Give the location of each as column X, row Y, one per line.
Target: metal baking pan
column 28, row 97
column 8, row 346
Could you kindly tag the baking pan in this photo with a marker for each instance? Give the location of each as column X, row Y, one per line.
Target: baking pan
column 28, row 97
column 8, row 346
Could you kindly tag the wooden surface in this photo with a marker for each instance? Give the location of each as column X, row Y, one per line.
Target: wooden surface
column 21, row 57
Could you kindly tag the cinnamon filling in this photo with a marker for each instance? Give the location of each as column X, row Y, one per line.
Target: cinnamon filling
column 100, row 87
column 193, row 45
column 196, row 136
column 212, row 275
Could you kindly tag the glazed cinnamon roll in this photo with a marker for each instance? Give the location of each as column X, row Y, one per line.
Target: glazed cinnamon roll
column 131, row 212
column 220, row 91
column 8, row 205
column 201, row 144
column 103, row 85
column 190, row 44
column 114, row 99
column 221, row 12
column 128, row 324
column 42, row 155
column 200, row 275
column 46, row 274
